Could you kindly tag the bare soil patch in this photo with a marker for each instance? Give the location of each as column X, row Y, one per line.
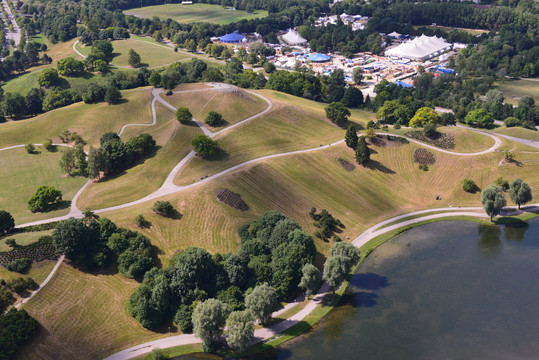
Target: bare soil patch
column 231, row 199
column 346, row 165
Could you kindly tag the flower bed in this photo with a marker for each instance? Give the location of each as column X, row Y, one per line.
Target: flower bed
column 41, row 250
column 346, row 165
column 444, row 141
column 424, row 157
column 231, row 199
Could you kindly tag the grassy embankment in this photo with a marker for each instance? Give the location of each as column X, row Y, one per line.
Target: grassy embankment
column 174, row 143
column 233, row 106
column 196, row 13
column 22, row 173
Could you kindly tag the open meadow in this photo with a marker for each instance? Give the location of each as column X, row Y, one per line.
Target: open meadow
column 196, row 13
column 152, row 54
column 22, row 173
column 513, row 90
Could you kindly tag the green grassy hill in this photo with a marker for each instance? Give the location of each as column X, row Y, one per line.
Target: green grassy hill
column 196, row 13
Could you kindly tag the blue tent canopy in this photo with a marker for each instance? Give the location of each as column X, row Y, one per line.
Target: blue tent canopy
column 317, row 57
column 232, row 37
column 403, row 84
column 445, row 70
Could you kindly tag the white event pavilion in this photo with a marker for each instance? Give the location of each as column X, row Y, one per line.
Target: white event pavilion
column 421, row 48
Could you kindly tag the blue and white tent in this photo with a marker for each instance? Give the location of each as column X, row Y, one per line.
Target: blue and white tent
column 232, row 38
column 317, row 57
column 403, row 84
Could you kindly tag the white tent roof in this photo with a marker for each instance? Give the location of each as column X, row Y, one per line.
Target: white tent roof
column 420, row 48
column 394, row 34
column 293, row 38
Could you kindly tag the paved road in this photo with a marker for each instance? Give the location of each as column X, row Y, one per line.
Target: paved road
column 266, row 333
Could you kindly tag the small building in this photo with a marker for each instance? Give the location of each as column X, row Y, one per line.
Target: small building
column 232, row 38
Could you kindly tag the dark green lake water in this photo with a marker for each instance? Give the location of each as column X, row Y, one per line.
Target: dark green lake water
column 446, row 290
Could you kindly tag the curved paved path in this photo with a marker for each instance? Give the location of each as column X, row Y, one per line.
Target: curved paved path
column 266, row 333
column 169, row 187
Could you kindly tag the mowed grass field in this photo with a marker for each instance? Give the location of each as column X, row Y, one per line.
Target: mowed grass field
column 293, row 184
column 22, row 173
column 513, row 90
column 83, row 316
column 38, row 271
column 196, row 13
column 151, row 53
column 174, row 142
column 91, row 121
column 284, row 128
column 233, row 106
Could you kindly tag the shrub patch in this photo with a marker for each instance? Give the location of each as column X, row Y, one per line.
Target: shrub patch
column 38, row 251
column 444, row 141
column 346, row 165
column 231, row 199
column 424, row 157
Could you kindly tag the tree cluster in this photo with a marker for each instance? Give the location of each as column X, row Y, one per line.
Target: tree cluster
column 114, row 155
column 16, row 329
column 327, row 225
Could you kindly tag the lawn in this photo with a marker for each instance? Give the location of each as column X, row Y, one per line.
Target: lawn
column 234, row 106
column 91, row 121
column 22, row 173
column 23, row 239
column 151, row 53
column 174, row 141
column 84, row 316
column 513, row 90
column 196, row 13
column 284, row 128
column 294, row 184
column 518, row 132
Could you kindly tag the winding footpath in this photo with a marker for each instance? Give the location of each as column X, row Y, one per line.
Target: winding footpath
column 169, row 187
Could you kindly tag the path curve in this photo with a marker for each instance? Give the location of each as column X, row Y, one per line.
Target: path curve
column 266, row 333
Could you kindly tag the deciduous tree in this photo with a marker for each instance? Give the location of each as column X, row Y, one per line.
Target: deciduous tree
column 493, row 201
column 6, row 222
column 520, row 192
column 183, row 115
column 240, row 330
column 44, row 198
column 309, row 280
column 262, row 302
column 337, row 112
column 209, row 318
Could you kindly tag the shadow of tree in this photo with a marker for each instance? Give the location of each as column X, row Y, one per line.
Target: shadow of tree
column 375, row 165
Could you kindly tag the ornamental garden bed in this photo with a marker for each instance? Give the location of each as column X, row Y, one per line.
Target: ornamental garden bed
column 231, row 199
column 38, row 251
column 444, row 141
column 424, row 157
column 346, row 165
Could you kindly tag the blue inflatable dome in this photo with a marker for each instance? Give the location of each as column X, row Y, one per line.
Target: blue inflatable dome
column 317, row 57
column 232, row 37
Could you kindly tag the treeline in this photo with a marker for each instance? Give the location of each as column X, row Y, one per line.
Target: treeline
column 274, row 249
column 397, row 105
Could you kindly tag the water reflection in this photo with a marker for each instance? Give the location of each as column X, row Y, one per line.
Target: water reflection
column 489, row 239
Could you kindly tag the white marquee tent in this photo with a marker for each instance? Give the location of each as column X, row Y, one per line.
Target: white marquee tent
column 421, row 48
column 293, row 38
